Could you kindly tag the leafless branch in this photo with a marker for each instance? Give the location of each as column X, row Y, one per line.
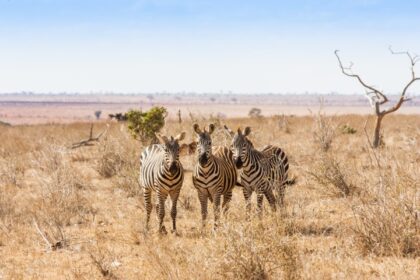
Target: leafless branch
column 378, row 96
column 88, row 142
column 413, row 60
column 50, row 242
column 43, row 234
column 413, row 57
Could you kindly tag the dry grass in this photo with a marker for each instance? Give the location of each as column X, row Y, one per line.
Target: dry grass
column 387, row 218
column 323, row 130
column 110, row 159
column 331, row 175
column 255, row 251
column 78, row 214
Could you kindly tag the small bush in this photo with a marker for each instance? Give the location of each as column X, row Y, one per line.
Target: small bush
column 144, row 125
column 329, row 173
column 347, row 129
column 387, row 222
column 62, row 202
column 323, row 131
column 255, row 113
column 127, row 178
column 110, row 159
column 59, row 201
column 254, row 252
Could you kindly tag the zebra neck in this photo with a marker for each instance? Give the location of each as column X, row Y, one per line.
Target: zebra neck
column 252, row 160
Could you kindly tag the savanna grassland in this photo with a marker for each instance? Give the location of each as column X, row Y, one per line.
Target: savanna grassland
column 78, row 213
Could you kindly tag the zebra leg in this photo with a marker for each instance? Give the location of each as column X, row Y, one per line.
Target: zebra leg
column 271, row 199
column 280, row 192
column 157, row 210
column 260, row 197
column 147, row 194
column 203, row 201
column 217, row 199
column 174, row 198
column 247, row 196
column 227, row 197
column 161, row 211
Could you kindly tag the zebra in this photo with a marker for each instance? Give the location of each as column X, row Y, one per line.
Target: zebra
column 260, row 171
column 214, row 174
column 162, row 172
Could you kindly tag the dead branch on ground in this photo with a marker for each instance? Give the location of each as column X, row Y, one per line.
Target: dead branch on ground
column 52, row 243
column 88, row 142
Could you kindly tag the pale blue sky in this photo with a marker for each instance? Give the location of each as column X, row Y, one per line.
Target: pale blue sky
column 203, row 45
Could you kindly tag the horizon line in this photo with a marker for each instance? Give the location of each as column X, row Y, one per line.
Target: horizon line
column 98, row 93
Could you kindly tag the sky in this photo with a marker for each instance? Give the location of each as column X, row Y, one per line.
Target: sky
column 218, row 46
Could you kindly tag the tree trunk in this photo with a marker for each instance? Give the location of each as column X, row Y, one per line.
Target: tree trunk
column 377, row 135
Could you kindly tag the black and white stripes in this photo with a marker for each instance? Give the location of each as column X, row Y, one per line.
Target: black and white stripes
column 214, row 174
column 260, row 171
column 162, row 172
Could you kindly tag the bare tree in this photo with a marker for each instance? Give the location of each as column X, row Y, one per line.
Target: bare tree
column 376, row 97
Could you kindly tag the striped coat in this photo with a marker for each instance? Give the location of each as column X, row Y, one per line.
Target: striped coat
column 262, row 171
column 214, row 174
column 161, row 172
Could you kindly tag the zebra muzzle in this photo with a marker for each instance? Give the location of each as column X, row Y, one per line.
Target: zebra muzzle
column 173, row 168
column 203, row 159
column 238, row 162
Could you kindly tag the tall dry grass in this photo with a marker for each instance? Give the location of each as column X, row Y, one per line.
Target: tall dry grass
column 87, row 204
column 387, row 215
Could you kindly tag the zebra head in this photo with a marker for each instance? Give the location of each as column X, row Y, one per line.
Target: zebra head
column 204, row 143
column 240, row 145
column 171, row 150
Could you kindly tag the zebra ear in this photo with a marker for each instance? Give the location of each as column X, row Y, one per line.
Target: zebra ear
column 231, row 133
column 211, row 128
column 197, row 128
column 180, row 136
column 239, row 131
column 162, row 139
column 247, row 131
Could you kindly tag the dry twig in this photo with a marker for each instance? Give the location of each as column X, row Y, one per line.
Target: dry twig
column 88, row 142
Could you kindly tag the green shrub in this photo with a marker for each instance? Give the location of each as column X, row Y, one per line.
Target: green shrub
column 144, row 125
column 347, row 129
